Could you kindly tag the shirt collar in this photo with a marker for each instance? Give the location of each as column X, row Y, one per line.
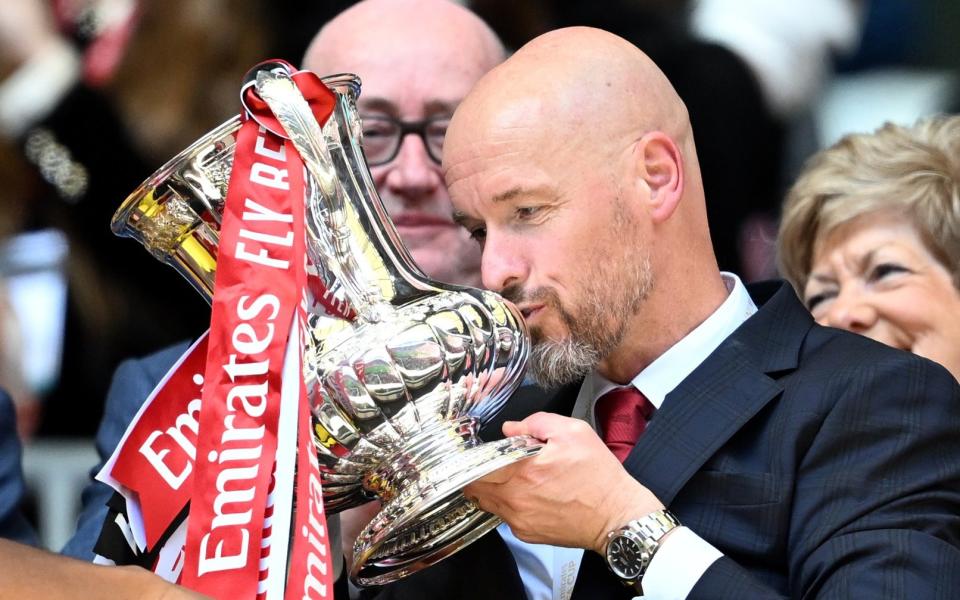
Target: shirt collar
column 673, row 366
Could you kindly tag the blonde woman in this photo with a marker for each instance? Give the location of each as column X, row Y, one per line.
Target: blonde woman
column 870, row 237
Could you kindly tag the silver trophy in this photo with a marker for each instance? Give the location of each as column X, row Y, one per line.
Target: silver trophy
column 397, row 390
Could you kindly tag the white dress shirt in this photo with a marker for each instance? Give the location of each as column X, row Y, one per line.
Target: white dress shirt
column 685, row 556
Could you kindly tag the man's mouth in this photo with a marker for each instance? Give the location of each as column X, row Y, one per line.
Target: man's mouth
column 421, row 220
column 529, row 310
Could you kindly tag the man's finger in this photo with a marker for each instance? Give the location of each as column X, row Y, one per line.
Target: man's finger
column 546, row 426
column 512, row 428
column 501, row 475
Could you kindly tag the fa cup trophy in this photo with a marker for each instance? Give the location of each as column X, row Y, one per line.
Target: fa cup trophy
column 400, row 370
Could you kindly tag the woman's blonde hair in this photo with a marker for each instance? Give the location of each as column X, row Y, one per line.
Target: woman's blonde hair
column 913, row 171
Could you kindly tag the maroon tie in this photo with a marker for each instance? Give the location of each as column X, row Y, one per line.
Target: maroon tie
column 622, row 415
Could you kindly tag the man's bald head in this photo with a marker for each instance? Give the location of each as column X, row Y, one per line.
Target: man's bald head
column 584, row 78
column 439, row 31
column 574, row 164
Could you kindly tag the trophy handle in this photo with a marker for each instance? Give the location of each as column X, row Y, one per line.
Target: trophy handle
column 176, row 213
column 328, row 221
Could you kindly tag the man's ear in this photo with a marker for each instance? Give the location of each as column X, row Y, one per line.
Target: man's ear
column 660, row 166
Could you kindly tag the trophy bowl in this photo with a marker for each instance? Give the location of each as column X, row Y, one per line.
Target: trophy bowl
column 401, row 371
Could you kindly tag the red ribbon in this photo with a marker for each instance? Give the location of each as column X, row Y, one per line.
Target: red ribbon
column 321, row 100
column 158, row 452
column 311, row 572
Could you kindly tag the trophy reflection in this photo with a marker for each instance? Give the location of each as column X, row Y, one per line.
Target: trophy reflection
column 400, row 370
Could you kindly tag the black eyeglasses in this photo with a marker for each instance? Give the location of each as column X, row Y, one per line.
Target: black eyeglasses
column 382, row 136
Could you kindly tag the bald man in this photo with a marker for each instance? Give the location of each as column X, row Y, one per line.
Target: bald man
column 707, row 440
column 417, row 59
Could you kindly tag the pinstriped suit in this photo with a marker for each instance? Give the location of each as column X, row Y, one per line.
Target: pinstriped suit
column 820, row 463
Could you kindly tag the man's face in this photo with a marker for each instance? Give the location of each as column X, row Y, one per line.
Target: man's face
column 415, row 80
column 557, row 240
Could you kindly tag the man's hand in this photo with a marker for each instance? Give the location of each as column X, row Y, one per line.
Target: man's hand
column 27, row 572
column 571, row 494
column 352, row 522
column 147, row 586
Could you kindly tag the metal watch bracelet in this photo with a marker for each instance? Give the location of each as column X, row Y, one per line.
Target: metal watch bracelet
column 631, row 548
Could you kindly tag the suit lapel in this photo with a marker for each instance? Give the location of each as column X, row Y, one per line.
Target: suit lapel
column 722, row 394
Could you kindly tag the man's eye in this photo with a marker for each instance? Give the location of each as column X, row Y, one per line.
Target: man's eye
column 478, row 233
column 437, row 130
column 525, row 212
column 375, row 131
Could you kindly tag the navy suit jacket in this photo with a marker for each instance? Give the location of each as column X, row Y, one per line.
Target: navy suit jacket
column 132, row 382
column 13, row 525
column 820, row 463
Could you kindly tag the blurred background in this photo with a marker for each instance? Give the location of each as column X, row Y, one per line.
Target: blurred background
column 96, row 94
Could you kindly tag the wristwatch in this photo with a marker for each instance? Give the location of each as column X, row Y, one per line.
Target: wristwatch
column 631, row 547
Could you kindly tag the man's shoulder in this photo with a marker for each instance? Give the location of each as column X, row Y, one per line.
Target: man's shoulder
column 847, row 374
column 165, row 357
column 782, row 319
column 133, row 381
column 824, row 365
column 840, row 350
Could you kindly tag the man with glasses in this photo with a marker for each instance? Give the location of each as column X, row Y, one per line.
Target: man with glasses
column 416, row 59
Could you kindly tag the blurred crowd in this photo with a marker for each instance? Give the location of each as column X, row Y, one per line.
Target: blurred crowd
column 97, row 94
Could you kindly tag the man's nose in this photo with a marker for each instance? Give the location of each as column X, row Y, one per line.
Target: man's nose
column 502, row 263
column 413, row 173
column 851, row 310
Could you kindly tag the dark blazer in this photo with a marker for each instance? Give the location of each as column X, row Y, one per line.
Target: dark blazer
column 820, row 463
column 13, row 525
column 130, row 387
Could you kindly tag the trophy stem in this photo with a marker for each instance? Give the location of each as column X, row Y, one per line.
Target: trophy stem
column 425, row 517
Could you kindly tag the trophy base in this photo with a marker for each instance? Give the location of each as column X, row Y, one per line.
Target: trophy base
column 430, row 519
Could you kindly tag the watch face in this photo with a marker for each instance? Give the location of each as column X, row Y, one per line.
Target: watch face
column 626, row 557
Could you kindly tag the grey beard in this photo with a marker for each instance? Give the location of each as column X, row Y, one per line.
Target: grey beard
column 553, row 364
column 593, row 335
